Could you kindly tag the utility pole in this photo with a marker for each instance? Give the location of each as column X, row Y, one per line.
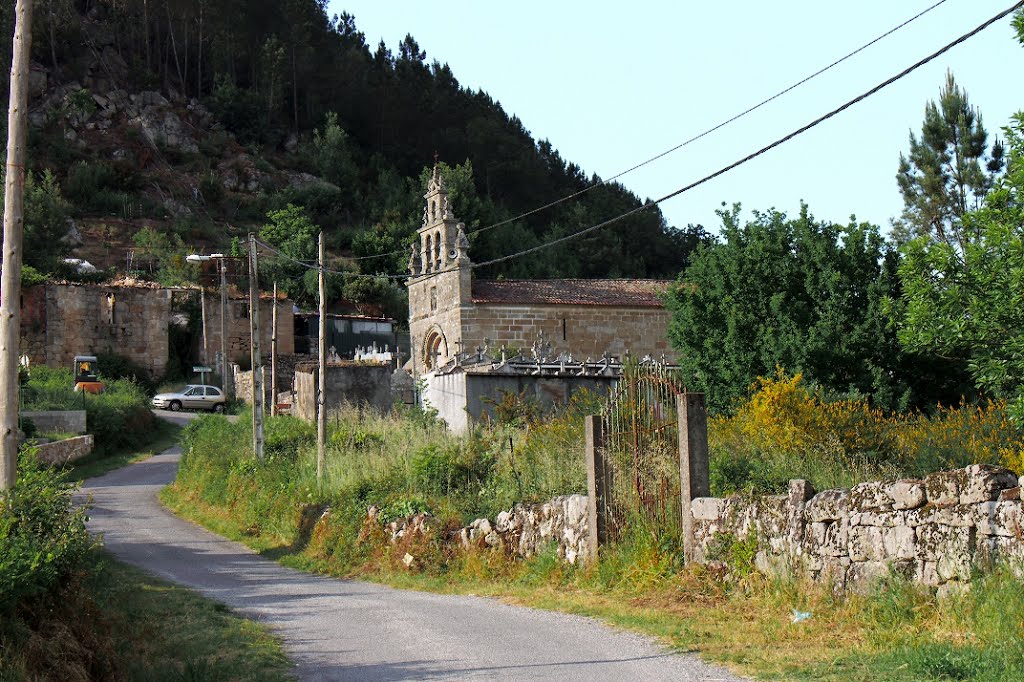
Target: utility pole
column 14, row 218
column 273, row 357
column 321, row 412
column 254, row 346
column 227, row 383
column 202, row 309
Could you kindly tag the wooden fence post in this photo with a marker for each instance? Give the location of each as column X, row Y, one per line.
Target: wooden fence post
column 693, row 460
column 596, row 485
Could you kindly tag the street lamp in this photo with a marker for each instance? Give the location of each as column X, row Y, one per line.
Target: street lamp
column 226, row 386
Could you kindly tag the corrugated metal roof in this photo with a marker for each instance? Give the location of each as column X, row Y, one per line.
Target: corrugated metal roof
column 606, row 292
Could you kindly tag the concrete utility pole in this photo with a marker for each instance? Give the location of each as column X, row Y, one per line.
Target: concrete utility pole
column 254, row 346
column 227, row 383
column 14, row 218
column 321, row 383
column 273, row 357
column 202, row 309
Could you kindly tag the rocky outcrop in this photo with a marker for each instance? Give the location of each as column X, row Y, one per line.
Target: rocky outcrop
column 934, row 530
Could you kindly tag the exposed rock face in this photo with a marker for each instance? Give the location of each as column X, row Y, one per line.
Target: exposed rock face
column 933, row 531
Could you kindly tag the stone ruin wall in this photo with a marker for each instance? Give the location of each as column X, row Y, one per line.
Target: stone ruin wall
column 60, row 321
column 932, row 530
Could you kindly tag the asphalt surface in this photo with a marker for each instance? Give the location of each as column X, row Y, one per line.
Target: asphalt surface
column 349, row 630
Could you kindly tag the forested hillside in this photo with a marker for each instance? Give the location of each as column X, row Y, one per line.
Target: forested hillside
column 189, row 121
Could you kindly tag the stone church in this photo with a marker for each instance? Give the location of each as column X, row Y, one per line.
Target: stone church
column 452, row 313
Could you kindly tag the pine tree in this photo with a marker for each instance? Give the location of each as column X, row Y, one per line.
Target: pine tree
column 948, row 170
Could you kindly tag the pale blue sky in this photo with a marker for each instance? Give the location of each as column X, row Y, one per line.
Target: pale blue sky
column 611, row 84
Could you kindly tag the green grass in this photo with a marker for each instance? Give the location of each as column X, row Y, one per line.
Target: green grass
column 166, row 632
column 115, row 622
column 161, row 436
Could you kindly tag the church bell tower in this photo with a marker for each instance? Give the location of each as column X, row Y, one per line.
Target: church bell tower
column 440, row 280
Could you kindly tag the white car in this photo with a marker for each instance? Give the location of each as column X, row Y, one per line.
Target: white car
column 193, row 397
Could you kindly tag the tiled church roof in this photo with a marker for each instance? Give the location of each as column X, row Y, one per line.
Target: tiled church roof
column 639, row 293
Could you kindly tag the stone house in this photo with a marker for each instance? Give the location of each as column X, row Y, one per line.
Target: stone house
column 60, row 320
column 238, row 326
column 450, row 312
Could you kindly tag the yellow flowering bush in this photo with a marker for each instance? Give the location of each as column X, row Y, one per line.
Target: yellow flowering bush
column 788, row 430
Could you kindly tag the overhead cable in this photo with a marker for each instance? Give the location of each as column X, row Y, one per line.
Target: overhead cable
column 691, row 140
column 773, row 145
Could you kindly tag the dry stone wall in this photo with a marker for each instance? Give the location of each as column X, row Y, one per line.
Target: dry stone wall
column 932, row 530
column 61, row 452
column 525, row 530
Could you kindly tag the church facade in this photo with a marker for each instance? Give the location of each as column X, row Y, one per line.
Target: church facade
column 452, row 313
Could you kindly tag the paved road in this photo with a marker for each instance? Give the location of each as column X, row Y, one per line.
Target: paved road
column 349, row 630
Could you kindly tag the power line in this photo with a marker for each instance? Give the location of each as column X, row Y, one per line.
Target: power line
column 799, row 131
column 691, row 140
column 767, row 148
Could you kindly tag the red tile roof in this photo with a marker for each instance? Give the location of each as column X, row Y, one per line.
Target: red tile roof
column 641, row 293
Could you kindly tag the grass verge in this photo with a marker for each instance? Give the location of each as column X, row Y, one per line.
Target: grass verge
column 114, row 622
column 166, row 632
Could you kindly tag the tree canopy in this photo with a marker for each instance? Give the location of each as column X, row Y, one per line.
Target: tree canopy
column 803, row 295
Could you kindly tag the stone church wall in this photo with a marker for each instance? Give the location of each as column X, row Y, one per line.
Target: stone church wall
column 582, row 331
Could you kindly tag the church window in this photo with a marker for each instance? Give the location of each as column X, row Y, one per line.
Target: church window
column 430, row 254
column 437, row 250
column 433, row 298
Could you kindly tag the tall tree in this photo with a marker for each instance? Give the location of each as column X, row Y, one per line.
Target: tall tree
column 948, row 169
column 799, row 294
column 969, row 304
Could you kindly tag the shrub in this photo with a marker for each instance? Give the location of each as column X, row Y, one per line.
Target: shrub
column 118, row 418
column 42, row 534
column 789, row 430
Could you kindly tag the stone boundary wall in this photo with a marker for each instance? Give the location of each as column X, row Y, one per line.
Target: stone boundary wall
column 68, row 421
column 348, row 383
column 525, row 530
column 932, row 530
column 62, row 452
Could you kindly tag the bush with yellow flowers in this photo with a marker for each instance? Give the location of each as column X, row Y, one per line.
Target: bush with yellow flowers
column 787, row 429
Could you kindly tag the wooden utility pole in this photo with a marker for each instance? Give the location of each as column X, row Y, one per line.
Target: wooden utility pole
column 14, row 218
column 254, row 347
column 321, row 379
column 273, row 357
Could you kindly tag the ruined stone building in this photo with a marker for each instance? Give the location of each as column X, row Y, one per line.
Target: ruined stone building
column 238, row 326
column 132, row 319
column 60, row 321
column 450, row 312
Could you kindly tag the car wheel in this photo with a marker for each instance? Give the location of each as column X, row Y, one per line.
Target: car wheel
column 218, row 408
column 174, row 406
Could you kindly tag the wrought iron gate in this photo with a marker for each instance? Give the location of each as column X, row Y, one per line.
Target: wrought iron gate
column 640, row 426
